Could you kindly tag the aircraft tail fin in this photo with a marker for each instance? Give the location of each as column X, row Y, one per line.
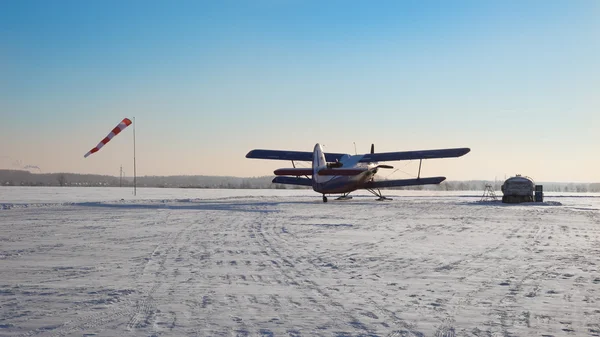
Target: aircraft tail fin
column 318, row 163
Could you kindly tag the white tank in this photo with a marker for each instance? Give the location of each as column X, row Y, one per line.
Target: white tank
column 518, row 189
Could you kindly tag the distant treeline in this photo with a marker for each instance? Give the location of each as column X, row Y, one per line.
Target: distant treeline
column 26, row 178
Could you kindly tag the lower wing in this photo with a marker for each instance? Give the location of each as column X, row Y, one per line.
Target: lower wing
column 292, row 181
column 411, row 155
column 404, row 182
column 341, row 172
column 293, row 172
column 322, row 172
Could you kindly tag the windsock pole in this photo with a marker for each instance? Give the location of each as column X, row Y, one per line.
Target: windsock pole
column 134, row 171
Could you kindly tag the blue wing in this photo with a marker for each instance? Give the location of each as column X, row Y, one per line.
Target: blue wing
column 410, row 155
column 292, row 181
column 404, row 182
column 290, row 155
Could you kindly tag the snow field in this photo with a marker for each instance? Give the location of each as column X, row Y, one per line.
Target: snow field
column 282, row 263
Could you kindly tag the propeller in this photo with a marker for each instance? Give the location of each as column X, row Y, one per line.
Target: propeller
column 382, row 165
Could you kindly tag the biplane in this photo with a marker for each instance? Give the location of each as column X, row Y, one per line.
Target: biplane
column 338, row 173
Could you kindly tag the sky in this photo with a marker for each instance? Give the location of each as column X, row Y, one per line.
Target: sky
column 518, row 82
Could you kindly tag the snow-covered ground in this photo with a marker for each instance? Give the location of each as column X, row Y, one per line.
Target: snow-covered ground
column 183, row 262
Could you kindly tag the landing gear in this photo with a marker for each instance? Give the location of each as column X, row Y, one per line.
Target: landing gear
column 378, row 194
column 344, row 196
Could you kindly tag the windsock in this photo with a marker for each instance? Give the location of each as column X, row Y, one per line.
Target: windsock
column 124, row 123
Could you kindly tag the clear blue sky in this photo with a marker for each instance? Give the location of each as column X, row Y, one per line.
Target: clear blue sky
column 516, row 81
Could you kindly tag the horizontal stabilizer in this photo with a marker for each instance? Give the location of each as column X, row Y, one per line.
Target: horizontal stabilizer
column 292, row 181
column 293, row 172
column 404, row 182
column 411, row 155
column 340, row 172
column 290, row 155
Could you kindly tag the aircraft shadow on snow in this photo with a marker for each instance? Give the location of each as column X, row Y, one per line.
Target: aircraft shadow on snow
column 200, row 205
column 177, row 205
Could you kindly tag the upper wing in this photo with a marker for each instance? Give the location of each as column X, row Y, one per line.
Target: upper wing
column 290, row 155
column 404, row 182
column 409, row 155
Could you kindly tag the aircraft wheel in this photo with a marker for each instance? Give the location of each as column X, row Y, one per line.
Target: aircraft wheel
column 324, row 199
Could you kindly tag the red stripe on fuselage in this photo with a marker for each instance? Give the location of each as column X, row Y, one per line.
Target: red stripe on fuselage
column 341, row 172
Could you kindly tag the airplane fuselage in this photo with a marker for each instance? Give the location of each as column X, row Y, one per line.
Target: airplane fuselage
column 334, row 184
column 341, row 184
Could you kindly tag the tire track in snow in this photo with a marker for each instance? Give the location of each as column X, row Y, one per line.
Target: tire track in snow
column 480, row 270
column 153, row 274
column 274, row 238
column 83, row 323
column 316, row 294
column 107, row 312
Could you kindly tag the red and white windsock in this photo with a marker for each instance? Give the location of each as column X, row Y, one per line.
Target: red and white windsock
column 124, row 123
